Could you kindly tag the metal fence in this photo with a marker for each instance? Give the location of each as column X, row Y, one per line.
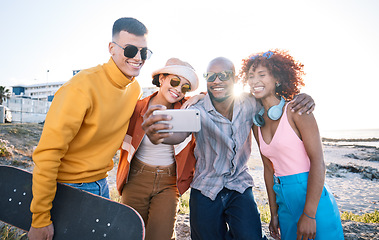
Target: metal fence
column 26, row 110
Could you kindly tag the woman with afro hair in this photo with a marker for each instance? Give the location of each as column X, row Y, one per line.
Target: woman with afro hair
column 301, row 205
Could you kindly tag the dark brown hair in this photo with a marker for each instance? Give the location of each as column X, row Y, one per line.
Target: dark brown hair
column 131, row 25
column 155, row 80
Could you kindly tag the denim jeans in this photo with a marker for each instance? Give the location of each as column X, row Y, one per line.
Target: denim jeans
column 98, row 187
column 231, row 215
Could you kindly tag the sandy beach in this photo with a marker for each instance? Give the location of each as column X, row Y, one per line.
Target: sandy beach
column 352, row 175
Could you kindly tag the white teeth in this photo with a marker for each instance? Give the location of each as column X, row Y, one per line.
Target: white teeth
column 218, row 89
column 134, row 64
column 174, row 94
column 257, row 89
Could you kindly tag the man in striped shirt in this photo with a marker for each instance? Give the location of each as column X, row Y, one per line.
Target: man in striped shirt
column 222, row 204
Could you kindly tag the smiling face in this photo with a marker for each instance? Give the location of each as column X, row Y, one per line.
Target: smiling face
column 129, row 66
column 220, row 90
column 261, row 82
column 168, row 92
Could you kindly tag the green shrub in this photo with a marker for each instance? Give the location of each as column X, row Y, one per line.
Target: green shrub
column 4, row 150
column 365, row 218
column 265, row 213
column 184, row 203
column 8, row 232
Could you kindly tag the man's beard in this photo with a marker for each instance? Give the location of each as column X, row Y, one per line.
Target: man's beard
column 212, row 97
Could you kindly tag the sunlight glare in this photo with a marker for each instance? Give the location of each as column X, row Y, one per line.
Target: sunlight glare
column 240, row 88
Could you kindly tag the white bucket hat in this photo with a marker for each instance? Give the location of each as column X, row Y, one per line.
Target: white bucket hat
column 175, row 66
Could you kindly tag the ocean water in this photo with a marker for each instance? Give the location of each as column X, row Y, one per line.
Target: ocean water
column 351, row 134
column 363, row 137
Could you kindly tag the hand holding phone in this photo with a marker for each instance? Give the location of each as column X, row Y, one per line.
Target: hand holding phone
column 183, row 120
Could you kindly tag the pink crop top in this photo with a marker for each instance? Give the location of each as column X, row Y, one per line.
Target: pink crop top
column 286, row 150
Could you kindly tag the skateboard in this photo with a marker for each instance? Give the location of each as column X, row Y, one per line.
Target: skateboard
column 76, row 214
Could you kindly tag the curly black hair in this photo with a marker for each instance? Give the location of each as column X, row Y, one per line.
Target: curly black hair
column 282, row 66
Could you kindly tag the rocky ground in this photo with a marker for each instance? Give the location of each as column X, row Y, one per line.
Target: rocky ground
column 355, row 168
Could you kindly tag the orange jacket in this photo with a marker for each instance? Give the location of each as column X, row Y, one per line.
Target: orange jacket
column 185, row 159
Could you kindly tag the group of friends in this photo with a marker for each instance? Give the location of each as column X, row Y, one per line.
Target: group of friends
column 99, row 111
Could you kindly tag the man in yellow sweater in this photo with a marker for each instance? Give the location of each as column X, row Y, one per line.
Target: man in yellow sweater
column 86, row 123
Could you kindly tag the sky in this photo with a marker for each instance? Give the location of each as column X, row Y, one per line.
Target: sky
column 336, row 40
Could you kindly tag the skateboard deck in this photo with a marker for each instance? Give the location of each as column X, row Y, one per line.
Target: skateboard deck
column 76, row 214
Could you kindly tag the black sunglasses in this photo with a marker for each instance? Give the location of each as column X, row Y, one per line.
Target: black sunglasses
column 175, row 81
column 130, row 51
column 223, row 76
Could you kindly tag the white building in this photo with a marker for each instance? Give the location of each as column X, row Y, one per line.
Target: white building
column 147, row 91
column 30, row 103
column 41, row 91
column 46, row 91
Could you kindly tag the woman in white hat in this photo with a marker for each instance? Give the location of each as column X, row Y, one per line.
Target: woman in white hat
column 151, row 177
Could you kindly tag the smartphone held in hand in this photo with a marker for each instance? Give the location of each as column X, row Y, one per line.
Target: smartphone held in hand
column 183, row 120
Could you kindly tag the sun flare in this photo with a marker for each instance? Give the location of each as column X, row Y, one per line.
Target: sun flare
column 240, row 88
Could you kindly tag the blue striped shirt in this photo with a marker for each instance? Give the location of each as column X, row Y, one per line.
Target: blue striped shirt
column 223, row 147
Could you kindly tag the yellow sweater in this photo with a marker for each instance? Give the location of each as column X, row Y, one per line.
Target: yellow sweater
column 84, row 128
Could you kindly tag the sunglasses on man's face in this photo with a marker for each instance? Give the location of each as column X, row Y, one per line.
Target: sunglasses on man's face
column 175, row 81
column 223, row 76
column 130, row 51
